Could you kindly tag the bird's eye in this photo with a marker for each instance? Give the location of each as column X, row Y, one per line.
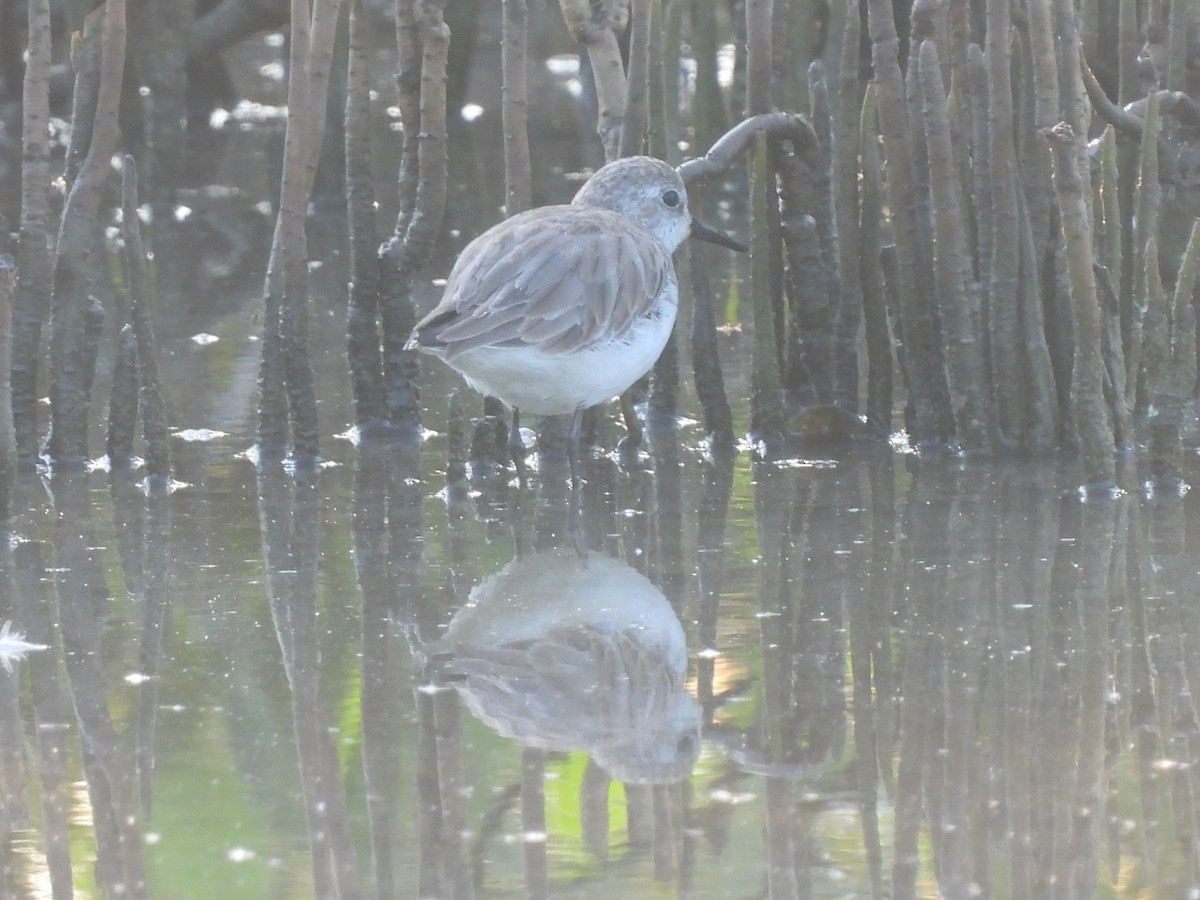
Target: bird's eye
column 671, row 198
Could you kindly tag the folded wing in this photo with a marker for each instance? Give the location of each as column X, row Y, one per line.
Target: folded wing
column 559, row 278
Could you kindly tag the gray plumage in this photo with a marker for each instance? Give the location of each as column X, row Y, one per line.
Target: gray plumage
column 560, row 278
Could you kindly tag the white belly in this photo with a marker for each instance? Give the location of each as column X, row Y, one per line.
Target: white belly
column 557, row 384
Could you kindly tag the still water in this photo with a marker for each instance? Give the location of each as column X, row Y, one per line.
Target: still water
column 857, row 674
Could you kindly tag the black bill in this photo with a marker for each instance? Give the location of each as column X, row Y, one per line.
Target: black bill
column 702, row 231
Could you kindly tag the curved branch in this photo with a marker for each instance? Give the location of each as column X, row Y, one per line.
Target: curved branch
column 738, row 139
column 1116, row 116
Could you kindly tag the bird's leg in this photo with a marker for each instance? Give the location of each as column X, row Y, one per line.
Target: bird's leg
column 573, row 448
column 516, row 522
column 578, row 538
column 632, row 442
column 516, row 448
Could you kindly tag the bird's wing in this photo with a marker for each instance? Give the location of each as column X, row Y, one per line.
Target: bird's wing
column 557, row 277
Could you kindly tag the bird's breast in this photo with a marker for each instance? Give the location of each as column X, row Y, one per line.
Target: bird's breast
column 548, row 384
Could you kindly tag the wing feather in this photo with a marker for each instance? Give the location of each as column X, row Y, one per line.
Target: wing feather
column 556, row 277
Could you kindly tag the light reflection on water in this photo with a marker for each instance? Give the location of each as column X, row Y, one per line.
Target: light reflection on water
column 910, row 672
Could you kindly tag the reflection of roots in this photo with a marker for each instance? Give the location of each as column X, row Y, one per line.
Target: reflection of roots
column 491, row 825
column 824, row 424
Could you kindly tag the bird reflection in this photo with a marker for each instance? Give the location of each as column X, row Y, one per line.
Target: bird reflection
column 562, row 656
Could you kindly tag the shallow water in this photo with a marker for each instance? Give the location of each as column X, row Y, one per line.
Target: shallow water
column 923, row 671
